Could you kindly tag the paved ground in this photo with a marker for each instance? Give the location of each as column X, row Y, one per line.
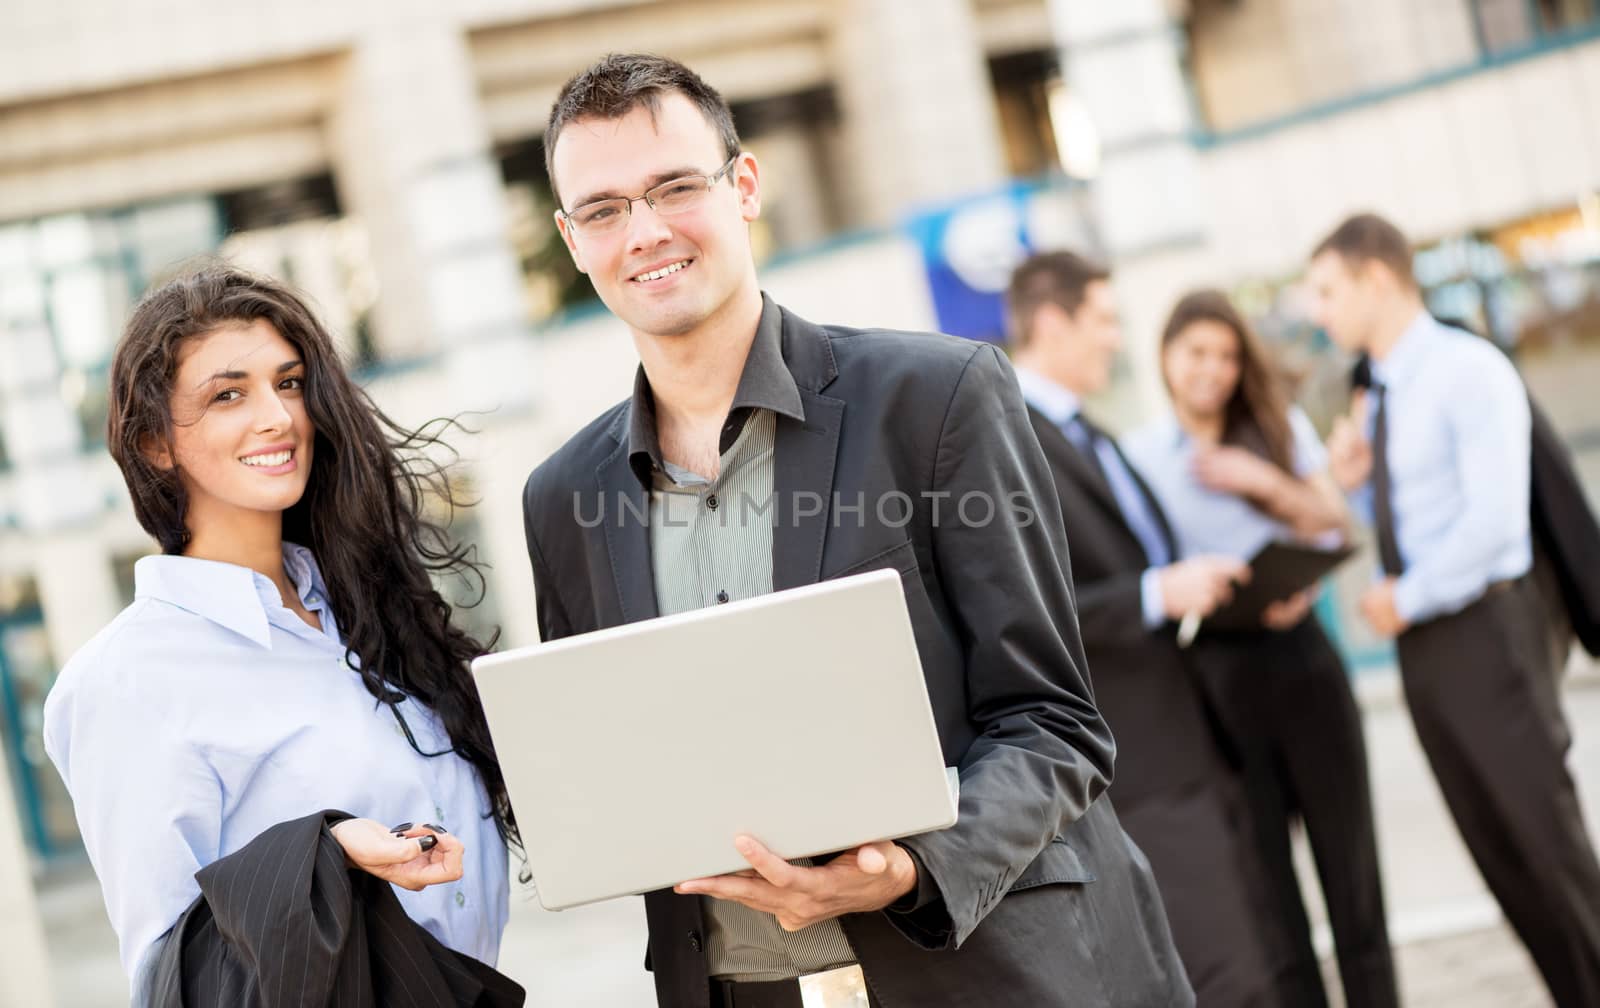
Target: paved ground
column 1481, row 969
column 1453, row 950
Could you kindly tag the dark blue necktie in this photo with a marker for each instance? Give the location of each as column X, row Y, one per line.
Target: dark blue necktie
column 1137, row 508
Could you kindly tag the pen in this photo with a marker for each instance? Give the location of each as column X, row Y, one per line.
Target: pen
column 1188, row 628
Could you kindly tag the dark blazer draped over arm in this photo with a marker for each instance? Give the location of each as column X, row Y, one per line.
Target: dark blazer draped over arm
column 283, row 921
column 1564, row 526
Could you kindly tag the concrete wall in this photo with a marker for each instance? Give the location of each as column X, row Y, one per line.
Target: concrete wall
column 102, row 105
column 1255, row 60
column 1476, row 152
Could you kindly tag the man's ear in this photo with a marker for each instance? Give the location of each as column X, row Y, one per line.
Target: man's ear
column 569, row 240
column 1373, row 275
column 747, row 180
column 1050, row 323
column 156, row 453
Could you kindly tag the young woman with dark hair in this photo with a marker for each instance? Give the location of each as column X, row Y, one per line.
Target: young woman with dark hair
column 287, row 652
column 1237, row 466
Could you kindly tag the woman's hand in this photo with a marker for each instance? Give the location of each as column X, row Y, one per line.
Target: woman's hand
column 414, row 859
column 1232, row 470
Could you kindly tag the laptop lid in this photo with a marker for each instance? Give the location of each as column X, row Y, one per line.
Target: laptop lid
column 634, row 755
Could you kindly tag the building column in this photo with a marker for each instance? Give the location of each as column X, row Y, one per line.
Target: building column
column 77, row 593
column 413, row 160
column 56, row 505
column 1124, row 61
column 77, row 587
column 794, row 196
column 501, row 463
column 24, row 963
column 917, row 105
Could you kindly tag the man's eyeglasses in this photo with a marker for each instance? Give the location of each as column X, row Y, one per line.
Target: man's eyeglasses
column 677, row 196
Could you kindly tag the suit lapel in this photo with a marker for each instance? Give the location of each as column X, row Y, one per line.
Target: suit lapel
column 804, row 454
column 803, row 457
column 627, row 525
column 802, row 486
column 1085, row 471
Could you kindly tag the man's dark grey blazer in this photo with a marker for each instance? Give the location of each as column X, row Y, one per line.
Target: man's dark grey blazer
column 1039, row 898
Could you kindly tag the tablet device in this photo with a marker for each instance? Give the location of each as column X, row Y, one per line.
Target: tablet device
column 1277, row 571
column 634, row 755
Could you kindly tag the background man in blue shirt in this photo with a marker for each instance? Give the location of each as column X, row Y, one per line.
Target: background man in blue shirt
column 1437, row 456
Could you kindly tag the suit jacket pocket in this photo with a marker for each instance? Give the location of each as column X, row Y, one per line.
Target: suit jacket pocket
column 901, row 557
column 1057, row 863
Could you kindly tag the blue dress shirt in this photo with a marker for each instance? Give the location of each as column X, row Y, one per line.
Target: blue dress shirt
column 207, row 712
column 1206, row 520
column 1458, row 450
column 1062, row 407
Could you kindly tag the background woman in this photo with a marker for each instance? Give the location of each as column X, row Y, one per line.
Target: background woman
column 1237, row 466
column 287, row 651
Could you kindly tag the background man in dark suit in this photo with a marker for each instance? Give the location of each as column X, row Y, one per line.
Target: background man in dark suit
column 873, row 449
column 1178, row 797
column 1437, row 455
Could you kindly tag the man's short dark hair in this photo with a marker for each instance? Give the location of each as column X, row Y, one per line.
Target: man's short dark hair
column 1368, row 238
column 1058, row 278
column 622, row 82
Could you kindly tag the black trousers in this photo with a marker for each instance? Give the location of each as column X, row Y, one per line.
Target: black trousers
column 1285, row 707
column 1204, row 867
column 1488, row 715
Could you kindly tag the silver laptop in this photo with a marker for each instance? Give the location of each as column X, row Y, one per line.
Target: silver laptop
column 635, row 755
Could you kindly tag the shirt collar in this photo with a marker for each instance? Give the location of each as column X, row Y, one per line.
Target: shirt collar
column 233, row 597
column 1166, row 431
column 1407, row 353
column 1057, row 403
column 765, row 383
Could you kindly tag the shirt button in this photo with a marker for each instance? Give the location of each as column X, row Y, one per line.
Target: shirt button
column 711, row 501
column 461, row 898
column 438, row 814
column 722, row 597
column 694, row 941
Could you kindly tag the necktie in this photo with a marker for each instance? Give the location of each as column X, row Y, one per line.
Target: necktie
column 1137, row 508
column 1382, row 489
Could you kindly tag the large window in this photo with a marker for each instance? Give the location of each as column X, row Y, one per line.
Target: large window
column 1023, row 87
column 68, row 281
column 27, row 669
column 295, row 230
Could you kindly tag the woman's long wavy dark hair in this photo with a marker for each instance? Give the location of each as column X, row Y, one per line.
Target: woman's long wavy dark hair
column 1257, row 415
column 362, row 513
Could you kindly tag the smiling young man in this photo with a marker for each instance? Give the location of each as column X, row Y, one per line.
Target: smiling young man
column 760, row 452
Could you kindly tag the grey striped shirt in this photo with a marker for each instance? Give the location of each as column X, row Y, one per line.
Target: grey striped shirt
column 711, row 542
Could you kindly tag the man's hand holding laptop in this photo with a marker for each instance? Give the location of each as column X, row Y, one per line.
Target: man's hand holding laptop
column 858, row 881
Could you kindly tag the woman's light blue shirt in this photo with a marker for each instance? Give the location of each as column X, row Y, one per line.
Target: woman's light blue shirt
column 1206, row 520
column 207, row 712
